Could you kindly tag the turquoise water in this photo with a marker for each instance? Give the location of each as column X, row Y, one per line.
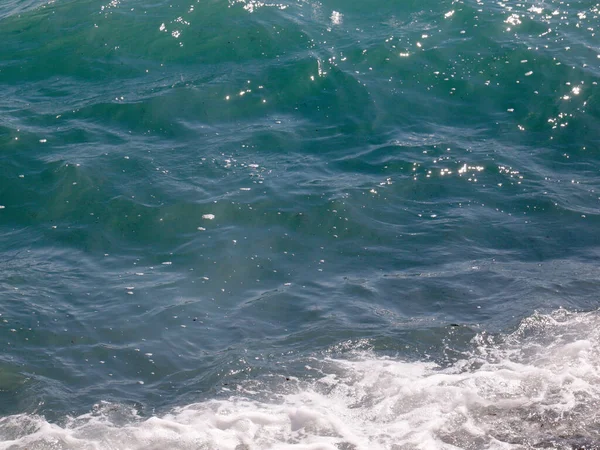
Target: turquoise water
column 303, row 224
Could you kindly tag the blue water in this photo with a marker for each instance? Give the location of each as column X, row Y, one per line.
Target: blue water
column 299, row 224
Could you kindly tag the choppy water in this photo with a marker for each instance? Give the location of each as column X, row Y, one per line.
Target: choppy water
column 303, row 224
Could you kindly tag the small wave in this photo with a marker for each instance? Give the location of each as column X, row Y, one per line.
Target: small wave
column 538, row 387
column 15, row 7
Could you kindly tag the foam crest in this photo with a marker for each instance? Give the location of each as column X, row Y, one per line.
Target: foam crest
column 538, row 387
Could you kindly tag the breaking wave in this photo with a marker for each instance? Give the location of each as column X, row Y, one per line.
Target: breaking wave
column 537, row 387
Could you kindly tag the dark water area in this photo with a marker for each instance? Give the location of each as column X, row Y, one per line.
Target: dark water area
column 308, row 225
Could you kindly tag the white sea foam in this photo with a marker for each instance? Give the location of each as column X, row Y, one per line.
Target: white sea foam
column 538, row 387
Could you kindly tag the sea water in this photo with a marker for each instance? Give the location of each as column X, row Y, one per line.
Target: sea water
column 299, row 224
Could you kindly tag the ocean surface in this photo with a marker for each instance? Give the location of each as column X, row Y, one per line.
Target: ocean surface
column 299, row 224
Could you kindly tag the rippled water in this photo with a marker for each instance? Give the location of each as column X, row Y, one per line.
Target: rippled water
column 319, row 225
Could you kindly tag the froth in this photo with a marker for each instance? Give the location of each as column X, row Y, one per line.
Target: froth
column 538, row 387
